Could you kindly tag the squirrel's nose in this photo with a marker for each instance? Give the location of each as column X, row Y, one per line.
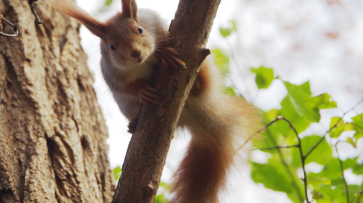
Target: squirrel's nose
column 135, row 53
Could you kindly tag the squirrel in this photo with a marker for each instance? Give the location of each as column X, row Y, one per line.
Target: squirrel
column 132, row 44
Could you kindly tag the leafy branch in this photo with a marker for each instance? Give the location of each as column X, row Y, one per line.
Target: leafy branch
column 299, row 109
column 297, row 145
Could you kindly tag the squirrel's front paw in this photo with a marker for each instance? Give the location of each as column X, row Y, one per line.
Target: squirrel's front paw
column 169, row 57
column 147, row 94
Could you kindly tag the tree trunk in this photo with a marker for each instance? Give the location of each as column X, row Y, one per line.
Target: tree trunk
column 52, row 133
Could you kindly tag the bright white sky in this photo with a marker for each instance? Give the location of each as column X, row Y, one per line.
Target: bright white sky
column 319, row 41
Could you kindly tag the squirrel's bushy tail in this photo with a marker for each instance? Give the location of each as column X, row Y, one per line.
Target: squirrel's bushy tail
column 202, row 172
column 219, row 124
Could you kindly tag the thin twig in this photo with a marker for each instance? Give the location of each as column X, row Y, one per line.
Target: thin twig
column 359, row 196
column 276, row 147
column 335, row 125
column 15, row 28
column 257, row 132
column 301, row 155
column 286, row 166
column 342, row 169
column 34, row 12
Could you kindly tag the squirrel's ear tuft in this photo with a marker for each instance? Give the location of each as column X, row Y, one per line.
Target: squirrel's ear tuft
column 71, row 9
column 129, row 9
column 97, row 28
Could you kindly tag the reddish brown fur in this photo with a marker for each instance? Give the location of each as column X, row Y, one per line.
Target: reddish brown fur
column 129, row 8
column 201, row 82
column 218, row 123
column 71, row 9
column 202, row 173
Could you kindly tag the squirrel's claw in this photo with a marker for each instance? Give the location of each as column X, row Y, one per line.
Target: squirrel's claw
column 147, row 97
column 146, row 93
column 169, row 57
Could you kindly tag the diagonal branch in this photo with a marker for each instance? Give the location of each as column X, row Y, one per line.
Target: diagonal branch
column 150, row 143
column 342, row 169
column 358, row 196
column 256, row 133
column 335, row 125
column 275, row 147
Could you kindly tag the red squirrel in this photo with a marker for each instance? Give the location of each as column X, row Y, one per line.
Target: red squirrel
column 132, row 44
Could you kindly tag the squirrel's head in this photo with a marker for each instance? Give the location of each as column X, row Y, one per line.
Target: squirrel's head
column 127, row 41
column 122, row 36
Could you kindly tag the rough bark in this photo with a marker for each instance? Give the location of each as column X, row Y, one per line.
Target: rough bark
column 150, row 143
column 52, row 133
column 1, row 15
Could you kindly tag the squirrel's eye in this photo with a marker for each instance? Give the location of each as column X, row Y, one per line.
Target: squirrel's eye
column 113, row 48
column 140, row 30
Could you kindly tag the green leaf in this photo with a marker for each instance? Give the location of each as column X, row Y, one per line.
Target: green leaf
column 225, row 32
column 300, row 108
column 289, row 110
column 270, row 175
column 351, row 142
column 350, row 162
column 271, row 115
column 322, row 154
column 328, row 185
column 298, row 95
column 160, row 199
column 357, row 136
column 221, row 60
column 105, row 6
column 354, row 191
column 229, row 91
column 305, row 87
column 330, row 171
column 117, row 172
column 321, row 102
column 273, row 175
column 108, row 2
column 358, row 120
column 334, row 192
column 234, row 25
column 264, row 76
column 337, row 126
column 336, row 122
column 164, row 185
column 358, row 169
column 358, row 123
